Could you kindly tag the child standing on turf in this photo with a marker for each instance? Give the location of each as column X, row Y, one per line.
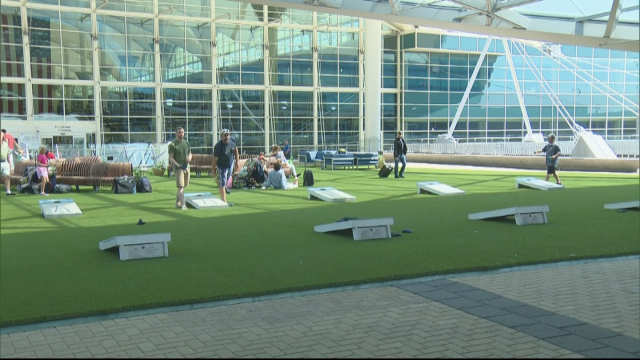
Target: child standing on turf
column 553, row 152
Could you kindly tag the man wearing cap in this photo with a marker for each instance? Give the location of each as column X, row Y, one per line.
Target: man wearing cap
column 225, row 155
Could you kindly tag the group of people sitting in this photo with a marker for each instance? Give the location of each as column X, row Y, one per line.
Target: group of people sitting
column 252, row 175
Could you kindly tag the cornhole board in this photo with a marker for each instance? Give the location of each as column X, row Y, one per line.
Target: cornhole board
column 536, row 183
column 204, row 201
column 329, row 194
column 437, row 188
column 623, row 205
column 524, row 215
column 59, row 208
column 363, row 229
column 139, row 246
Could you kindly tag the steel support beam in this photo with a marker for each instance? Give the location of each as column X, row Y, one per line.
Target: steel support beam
column 616, row 8
column 463, row 102
column 542, row 28
column 514, row 76
column 599, row 15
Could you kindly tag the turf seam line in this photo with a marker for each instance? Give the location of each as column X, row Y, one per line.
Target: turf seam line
column 211, row 304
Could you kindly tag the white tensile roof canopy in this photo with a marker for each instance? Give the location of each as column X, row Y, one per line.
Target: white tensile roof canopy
column 611, row 24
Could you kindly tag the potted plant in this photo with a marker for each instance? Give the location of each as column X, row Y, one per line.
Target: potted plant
column 159, row 168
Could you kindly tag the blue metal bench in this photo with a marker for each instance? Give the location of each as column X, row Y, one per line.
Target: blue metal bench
column 333, row 160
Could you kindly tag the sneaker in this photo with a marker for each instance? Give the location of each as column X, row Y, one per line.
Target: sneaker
column 402, row 176
column 10, row 193
column 397, row 177
column 184, row 207
column 227, row 191
column 44, row 194
column 558, row 183
column 178, row 206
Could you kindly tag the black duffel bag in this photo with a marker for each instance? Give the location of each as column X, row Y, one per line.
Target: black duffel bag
column 124, row 185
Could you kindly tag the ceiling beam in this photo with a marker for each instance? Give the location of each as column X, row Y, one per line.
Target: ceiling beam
column 396, row 5
column 512, row 3
column 599, row 15
column 550, row 29
column 616, row 8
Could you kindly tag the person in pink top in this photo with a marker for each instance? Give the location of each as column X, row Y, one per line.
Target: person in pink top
column 42, row 168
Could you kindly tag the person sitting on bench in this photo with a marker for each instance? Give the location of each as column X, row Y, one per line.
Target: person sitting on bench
column 277, row 179
column 279, row 155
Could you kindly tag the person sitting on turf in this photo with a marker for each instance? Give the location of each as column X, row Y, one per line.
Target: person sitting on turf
column 279, row 155
column 553, row 152
column 277, row 179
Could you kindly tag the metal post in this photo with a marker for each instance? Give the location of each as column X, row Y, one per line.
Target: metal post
column 514, row 76
column 469, row 86
column 28, row 89
column 97, row 91
column 316, row 93
column 267, row 78
column 158, row 76
column 215, row 92
column 373, row 82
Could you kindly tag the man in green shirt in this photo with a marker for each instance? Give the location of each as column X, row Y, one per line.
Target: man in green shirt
column 179, row 158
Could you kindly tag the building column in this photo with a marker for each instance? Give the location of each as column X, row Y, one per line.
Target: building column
column 372, row 84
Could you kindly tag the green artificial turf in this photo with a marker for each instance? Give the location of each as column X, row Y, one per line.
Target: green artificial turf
column 52, row 269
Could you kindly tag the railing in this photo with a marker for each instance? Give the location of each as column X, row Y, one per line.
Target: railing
column 622, row 148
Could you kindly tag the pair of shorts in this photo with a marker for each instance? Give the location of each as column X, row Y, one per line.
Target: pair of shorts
column 42, row 172
column 223, row 177
column 182, row 176
column 551, row 170
column 5, row 169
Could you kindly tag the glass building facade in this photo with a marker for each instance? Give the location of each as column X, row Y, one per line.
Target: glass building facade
column 138, row 69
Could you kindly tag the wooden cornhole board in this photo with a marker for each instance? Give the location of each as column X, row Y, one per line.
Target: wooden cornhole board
column 524, row 215
column 536, row 183
column 59, row 208
column 204, row 201
column 437, row 188
column 623, row 205
column 139, row 246
column 329, row 194
column 363, row 229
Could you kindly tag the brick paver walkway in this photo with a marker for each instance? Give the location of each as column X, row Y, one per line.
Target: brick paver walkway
column 555, row 312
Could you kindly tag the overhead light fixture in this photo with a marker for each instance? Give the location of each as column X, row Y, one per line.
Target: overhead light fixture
column 169, row 102
column 229, row 105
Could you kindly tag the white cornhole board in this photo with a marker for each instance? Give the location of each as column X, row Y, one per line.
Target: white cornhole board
column 204, row 201
column 623, row 205
column 536, row 183
column 363, row 229
column 59, row 208
column 139, row 246
column 329, row 194
column 437, row 188
column 524, row 215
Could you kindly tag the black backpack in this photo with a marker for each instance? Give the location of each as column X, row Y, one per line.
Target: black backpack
column 307, row 178
column 258, row 172
column 144, row 185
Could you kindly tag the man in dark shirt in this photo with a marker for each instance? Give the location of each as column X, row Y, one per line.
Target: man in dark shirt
column 287, row 150
column 225, row 155
column 399, row 154
column 553, row 152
